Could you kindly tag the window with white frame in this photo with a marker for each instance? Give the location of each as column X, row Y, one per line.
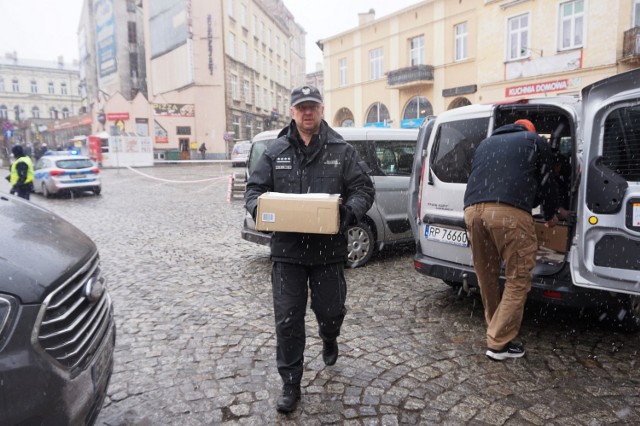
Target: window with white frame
column 571, row 24
column 416, row 50
column 636, row 13
column 53, row 113
column 230, row 8
column 342, row 68
column 246, row 89
column 35, row 112
column 15, row 85
column 256, row 93
column 375, row 63
column 65, row 113
column 1, row 84
column 243, row 15
column 236, row 126
column 34, row 86
column 63, row 88
column 265, row 99
column 234, row 87
column 255, row 26
column 461, row 41
column 231, row 45
column 245, row 52
column 4, row 112
column 518, row 37
column 51, row 88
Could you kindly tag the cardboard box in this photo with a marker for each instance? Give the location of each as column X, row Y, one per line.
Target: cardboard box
column 552, row 238
column 305, row 213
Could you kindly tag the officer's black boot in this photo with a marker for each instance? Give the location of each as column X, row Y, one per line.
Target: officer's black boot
column 289, row 398
column 330, row 351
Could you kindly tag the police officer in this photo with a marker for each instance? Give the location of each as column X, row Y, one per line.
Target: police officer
column 309, row 157
column 21, row 177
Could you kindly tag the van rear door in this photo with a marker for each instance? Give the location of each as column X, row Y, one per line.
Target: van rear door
column 450, row 152
column 605, row 251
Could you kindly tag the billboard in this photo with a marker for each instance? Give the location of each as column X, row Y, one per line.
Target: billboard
column 168, row 27
column 105, row 37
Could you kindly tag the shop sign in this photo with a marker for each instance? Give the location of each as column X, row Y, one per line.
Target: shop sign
column 116, row 116
column 174, row 110
column 546, row 86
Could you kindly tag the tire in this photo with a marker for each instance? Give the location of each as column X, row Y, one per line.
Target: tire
column 360, row 245
column 626, row 316
column 45, row 191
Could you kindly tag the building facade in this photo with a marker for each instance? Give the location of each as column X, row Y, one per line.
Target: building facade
column 213, row 72
column 35, row 98
column 441, row 54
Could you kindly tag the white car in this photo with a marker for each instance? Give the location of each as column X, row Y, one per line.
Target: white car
column 240, row 154
column 62, row 172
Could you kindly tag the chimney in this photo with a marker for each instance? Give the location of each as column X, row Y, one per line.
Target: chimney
column 60, row 61
column 367, row 17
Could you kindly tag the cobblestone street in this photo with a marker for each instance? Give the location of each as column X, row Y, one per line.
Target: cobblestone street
column 196, row 337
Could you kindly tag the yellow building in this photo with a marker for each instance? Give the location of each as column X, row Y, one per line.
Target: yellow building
column 441, row 54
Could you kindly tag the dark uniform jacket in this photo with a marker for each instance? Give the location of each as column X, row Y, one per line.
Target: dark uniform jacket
column 513, row 167
column 327, row 165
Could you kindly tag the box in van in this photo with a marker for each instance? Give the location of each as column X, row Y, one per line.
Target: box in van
column 596, row 143
column 389, row 154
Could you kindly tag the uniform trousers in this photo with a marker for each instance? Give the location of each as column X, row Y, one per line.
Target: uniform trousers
column 290, row 285
column 500, row 232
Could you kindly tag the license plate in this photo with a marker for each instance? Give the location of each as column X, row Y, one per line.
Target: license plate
column 446, row 235
column 78, row 176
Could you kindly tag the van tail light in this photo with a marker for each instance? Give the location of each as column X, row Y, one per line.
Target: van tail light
column 56, row 172
column 95, row 170
column 424, row 161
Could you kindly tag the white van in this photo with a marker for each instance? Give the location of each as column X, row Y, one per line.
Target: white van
column 592, row 259
column 389, row 153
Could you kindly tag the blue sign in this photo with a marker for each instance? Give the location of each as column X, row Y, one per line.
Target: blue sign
column 411, row 123
column 8, row 133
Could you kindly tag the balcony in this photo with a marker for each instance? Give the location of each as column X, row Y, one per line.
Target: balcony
column 410, row 76
column 631, row 45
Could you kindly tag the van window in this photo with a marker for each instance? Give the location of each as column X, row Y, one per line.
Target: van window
column 257, row 148
column 621, row 142
column 395, row 158
column 454, row 146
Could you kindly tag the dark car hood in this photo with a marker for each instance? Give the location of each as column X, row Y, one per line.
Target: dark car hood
column 38, row 249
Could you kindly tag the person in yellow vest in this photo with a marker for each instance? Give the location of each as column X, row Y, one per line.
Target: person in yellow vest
column 21, row 177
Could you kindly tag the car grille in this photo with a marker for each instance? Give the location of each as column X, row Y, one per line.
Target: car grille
column 75, row 322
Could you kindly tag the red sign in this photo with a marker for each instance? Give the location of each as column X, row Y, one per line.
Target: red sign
column 546, row 86
column 115, row 116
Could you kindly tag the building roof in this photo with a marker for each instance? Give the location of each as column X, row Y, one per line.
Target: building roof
column 38, row 63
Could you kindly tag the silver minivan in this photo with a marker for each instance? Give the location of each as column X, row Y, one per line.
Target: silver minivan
column 389, row 153
column 596, row 144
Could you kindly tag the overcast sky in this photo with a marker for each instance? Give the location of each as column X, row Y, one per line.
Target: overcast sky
column 46, row 29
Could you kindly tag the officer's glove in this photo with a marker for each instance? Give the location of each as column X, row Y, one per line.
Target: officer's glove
column 347, row 218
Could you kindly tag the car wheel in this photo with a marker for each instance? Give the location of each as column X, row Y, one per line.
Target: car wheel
column 626, row 316
column 360, row 244
column 97, row 190
column 45, row 191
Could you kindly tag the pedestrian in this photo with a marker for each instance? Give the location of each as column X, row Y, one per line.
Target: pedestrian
column 41, row 151
column 309, row 157
column 21, row 175
column 510, row 172
column 203, row 150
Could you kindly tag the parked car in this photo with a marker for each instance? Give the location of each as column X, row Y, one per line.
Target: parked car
column 63, row 172
column 57, row 331
column 240, row 154
column 389, row 154
column 589, row 261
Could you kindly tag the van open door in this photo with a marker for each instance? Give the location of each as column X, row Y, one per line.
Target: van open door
column 605, row 252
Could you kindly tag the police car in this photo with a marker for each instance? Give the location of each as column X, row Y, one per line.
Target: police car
column 66, row 171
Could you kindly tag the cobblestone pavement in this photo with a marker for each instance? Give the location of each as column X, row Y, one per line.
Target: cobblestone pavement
column 196, row 342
